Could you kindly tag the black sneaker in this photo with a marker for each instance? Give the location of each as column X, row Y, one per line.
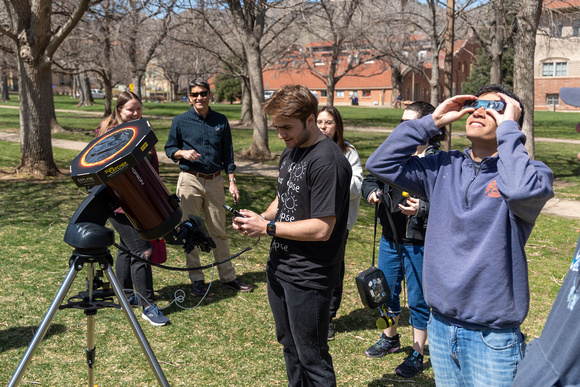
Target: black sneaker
column 383, row 346
column 199, row 288
column 330, row 332
column 411, row 366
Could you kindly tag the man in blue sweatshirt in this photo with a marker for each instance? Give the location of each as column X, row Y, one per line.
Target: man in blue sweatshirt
column 484, row 202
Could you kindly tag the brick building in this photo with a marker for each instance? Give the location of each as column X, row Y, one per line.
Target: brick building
column 416, row 87
column 557, row 57
column 371, row 81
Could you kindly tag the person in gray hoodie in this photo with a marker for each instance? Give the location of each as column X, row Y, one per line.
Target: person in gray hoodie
column 484, row 203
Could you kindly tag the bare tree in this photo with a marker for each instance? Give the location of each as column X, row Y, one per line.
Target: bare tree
column 146, row 26
column 491, row 25
column 29, row 25
column 341, row 29
column 103, row 58
column 526, row 26
column 180, row 61
column 256, row 26
column 414, row 35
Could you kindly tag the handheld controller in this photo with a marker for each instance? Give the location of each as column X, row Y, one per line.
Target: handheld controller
column 233, row 211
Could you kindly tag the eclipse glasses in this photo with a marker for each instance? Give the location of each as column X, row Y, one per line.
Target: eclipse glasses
column 476, row 104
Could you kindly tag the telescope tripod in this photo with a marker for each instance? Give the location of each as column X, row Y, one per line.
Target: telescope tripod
column 91, row 302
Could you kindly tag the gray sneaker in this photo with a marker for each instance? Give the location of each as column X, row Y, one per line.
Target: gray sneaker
column 154, row 316
column 383, row 346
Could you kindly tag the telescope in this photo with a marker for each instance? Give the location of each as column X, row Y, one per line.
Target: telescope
column 115, row 170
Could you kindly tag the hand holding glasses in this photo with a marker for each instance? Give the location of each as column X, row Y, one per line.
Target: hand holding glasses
column 499, row 106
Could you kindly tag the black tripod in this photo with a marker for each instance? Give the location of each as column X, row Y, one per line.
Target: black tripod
column 91, row 247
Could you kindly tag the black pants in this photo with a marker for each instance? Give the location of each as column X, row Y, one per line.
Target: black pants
column 301, row 317
column 131, row 272
column 337, row 292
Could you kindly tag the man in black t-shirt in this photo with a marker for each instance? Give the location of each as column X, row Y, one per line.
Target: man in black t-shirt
column 307, row 221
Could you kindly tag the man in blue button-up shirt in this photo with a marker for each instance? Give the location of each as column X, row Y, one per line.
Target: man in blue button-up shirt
column 201, row 142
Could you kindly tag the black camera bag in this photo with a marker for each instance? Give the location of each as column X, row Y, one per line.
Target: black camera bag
column 371, row 283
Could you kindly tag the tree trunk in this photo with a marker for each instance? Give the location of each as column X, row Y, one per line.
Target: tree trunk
column 434, row 81
column 448, row 91
column 246, row 115
column 108, row 86
column 449, row 39
column 36, row 110
column 85, row 96
column 496, row 47
column 397, row 83
column 137, row 87
column 259, row 148
column 54, row 125
column 331, row 75
column 75, row 87
column 524, row 48
column 4, row 95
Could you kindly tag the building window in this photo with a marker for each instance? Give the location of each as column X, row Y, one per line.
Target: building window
column 340, row 94
column 576, row 28
column 323, row 93
column 555, row 69
column 556, row 29
column 561, row 69
column 552, row 99
column 366, row 93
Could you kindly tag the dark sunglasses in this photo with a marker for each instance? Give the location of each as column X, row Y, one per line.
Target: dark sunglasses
column 202, row 93
column 476, row 104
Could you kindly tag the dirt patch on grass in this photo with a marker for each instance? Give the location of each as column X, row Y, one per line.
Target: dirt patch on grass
column 13, row 175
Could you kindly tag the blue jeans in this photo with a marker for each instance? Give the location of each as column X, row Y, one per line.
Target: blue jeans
column 464, row 357
column 390, row 264
column 302, row 317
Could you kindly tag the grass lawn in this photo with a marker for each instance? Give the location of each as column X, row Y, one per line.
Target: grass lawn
column 228, row 339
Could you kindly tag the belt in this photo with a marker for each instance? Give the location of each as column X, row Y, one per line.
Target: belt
column 211, row 176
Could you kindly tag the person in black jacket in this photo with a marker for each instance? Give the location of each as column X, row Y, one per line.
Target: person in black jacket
column 401, row 254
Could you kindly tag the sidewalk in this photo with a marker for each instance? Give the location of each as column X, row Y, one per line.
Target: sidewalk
column 243, row 166
column 560, row 207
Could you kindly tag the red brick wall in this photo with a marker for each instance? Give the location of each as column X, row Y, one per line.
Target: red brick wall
column 551, row 85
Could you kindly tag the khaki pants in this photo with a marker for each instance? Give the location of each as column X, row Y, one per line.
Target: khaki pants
column 199, row 194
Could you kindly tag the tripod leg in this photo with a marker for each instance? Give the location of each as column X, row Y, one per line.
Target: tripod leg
column 136, row 327
column 44, row 325
column 91, row 349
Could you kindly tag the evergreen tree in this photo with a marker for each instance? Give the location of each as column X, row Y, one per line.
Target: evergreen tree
column 227, row 88
column 481, row 67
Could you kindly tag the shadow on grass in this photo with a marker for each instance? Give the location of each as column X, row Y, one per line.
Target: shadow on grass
column 21, row 336
column 365, row 318
column 391, row 379
column 216, row 292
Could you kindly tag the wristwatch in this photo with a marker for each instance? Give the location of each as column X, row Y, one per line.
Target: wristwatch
column 271, row 228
